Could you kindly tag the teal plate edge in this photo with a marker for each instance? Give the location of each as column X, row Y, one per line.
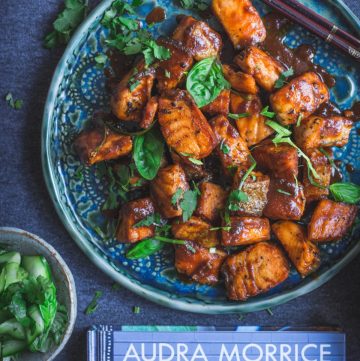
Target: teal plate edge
column 159, row 296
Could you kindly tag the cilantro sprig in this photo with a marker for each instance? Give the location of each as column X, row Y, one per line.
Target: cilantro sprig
column 127, row 34
column 66, row 23
column 283, row 78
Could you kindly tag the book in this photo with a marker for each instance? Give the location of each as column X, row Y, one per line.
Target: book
column 187, row 343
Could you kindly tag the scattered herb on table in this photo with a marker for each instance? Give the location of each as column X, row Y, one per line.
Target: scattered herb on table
column 283, row 77
column 152, row 219
column 136, row 309
column 93, row 305
column 13, row 103
column 345, row 192
column 205, row 81
column 66, row 23
column 270, row 312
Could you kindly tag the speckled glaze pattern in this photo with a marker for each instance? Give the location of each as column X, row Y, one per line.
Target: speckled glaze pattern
column 78, row 89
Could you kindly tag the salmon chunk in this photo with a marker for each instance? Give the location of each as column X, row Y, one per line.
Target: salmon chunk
column 243, row 83
column 315, row 132
column 255, row 270
column 245, row 230
column 168, row 180
column 130, row 214
column 220, row 105
column 183, row 125
column 199, row 263
column 256, row 62
column 301, row 97
column 197, row 36
column 303, row 254
column 331, row 221
column 241, row 21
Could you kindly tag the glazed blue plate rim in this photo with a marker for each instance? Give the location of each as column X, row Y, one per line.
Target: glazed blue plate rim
column 149, row 292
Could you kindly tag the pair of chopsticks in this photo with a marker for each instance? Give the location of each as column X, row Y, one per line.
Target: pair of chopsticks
column 317, row 24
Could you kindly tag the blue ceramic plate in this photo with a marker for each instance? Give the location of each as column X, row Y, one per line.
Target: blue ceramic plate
column 78, row 89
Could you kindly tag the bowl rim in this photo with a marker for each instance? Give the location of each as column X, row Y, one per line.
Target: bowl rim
column 72, row 312
column 149, row 292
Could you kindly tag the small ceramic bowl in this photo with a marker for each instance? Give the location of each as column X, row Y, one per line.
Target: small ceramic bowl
column 30, row 244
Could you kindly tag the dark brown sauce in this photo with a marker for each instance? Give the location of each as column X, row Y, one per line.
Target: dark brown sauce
column 300, row 58
column 350, row 168
column 354, row 112
column 156, row 15
column 336, row 175
column 328, row 110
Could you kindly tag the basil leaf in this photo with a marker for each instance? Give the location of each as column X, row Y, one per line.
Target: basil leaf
column 205, row 81
column 148, row 152
column 345, row 192
column 145, row 248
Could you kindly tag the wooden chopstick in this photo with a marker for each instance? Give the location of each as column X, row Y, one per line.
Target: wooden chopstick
column 323, row 22
column 314, row 27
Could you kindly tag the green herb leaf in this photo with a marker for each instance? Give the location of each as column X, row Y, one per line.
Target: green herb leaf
column 195, row 4
column 144, row 249
column 177, row 195
column 136, row 309
column 66, row 23
column 282, row 78
column 299, row 119
column 265, row 112
column 248, row 172
column 195, row 161
column 234, row 198
column 225, row 228
column 152, row 219
column 330, row 159
column 205, row 81
column 167, row 74
column 147, row 154
column 283, row 192
column 345, row 192
column 188, row 204
column 224, row 147
column 101, row 59
column 93, row 305
column 238, row 116
column 15, row 104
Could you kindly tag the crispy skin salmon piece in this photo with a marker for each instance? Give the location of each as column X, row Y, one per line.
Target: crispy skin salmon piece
column 171, row 72
column 196, row 230
column 302, row 96
column 149, row 112
column 220, row 105
column 251, row 128
column 281, row 160
column 323, row 168
column 212, row 200
column 241, row 21
column 245, row 230
column 286, row 200
column 331, row 221
column 197, row 36
column 256, row 187
column 315, row 132
column 183, row 125
column 238, row 151
column 130, row 214
column 255, row 270
column 303, row 254
column 168, row 180
column 199, row 263
column 132, row 93
column 97, row 143
column 257, row 63
column 243, row 83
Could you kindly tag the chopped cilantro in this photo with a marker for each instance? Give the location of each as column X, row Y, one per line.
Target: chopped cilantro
column 282, row 78
column 234, row 198
column 265, row 112
column 136, row 309
column 176, row 196
column 283, row 192
column 66, row 23
column 93, row 305
column 299, row 119
column 224, row 147
column 15, row 104
column 188, row 204
column 167, row 74
column 238, row 116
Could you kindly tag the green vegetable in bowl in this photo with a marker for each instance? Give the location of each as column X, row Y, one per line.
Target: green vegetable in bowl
column 30, row 316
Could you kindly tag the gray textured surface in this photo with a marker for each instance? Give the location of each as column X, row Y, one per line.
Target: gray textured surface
column 25, row 70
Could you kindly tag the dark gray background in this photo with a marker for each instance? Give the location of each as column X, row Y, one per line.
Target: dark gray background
column 26, row 69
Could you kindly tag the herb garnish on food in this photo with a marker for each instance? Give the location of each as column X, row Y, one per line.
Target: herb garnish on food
column 283, row 77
